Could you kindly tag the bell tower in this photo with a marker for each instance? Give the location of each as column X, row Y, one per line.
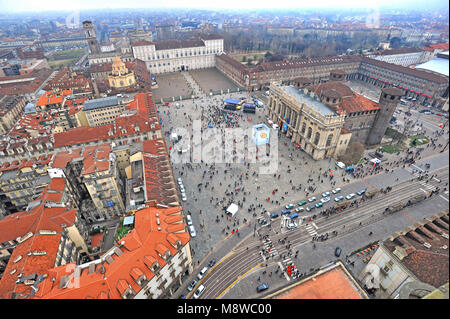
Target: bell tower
column 90, row 37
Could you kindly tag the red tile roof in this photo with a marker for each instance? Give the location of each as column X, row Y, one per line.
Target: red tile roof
column 137, row 253
column 158, row 176
column 140, row 122
column 23, row 261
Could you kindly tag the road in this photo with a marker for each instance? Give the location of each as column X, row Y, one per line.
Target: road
column 243, row 260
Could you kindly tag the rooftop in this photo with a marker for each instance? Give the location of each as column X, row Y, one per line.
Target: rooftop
column 156, row 233
column 308, row 100
column 334, row 283
column 27, row 226
column 423, row 249
column 100, row 103
column 437, row 65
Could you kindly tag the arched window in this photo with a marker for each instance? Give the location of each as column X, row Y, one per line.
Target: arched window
column 317, row 138
column 309, row 132
column 303, row 128
column 329, row 139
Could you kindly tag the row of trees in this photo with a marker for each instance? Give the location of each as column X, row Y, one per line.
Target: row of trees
column 306, row 45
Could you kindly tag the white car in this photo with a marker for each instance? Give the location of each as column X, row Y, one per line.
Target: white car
column 335, row 191
column 189, row 220
column 192, row 231
column 291, row 224
column 202, row 273
column 311, row 199
column 182, row 189
column 199, row 291
column 180, row 181
column 350, row 196
column 325, row 199
column 326, row 194
column 183, row 197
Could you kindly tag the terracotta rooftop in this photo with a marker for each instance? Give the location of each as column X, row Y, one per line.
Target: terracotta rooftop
column 145, row 120
column 131, row 259
column 158, row 175
column 429, row 265
column 23, row 261
column 332, row 284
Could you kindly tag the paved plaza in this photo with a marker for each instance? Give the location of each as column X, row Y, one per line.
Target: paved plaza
column 169, row 85
column 239, row 183
column 212, row 79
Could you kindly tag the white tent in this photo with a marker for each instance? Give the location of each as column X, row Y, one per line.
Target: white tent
column 232, row 209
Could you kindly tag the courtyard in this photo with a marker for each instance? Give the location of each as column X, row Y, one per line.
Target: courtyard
column 212, row 79
column 170, row 85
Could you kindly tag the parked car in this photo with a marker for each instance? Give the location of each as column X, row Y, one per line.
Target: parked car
column 350, row 196
column 182, row 189
column 273, row 215
column 199, row 291
column 337, row 251
column 262, row 287
column 301, row 203
column 312, row 199
column 289, row 206
column 183, row 197
column 335, row 191
column 326, row 194
column 189, row 220
column 212, row 262
column 325, row 199
column 202, row 273
column 299, row 209
column 192, row 231
column 284, row 212
column 192, row 285
column 319, row 204
column 339, row 198
column 310, row 208
column 180, row 181
column 362, row 191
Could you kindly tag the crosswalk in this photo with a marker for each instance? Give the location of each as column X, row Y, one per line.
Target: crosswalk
column 270, row 248
column 311, row 230
column 426, row 187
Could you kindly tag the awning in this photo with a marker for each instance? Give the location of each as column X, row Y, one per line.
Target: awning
column 232, row 209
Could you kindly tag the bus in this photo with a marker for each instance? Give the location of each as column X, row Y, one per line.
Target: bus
column 249, row 108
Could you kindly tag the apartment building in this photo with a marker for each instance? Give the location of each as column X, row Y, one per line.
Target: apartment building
column 178, row 55
column 411, row 263
column 92, row 171
column 103, row 111
column 150, row 262
column 21, row 182
column 404, row 57
column 47, row 234
column 11, row 108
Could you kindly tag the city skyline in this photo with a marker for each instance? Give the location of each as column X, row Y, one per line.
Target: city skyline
column 53, row 5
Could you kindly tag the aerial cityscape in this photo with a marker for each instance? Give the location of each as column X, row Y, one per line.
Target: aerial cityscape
column 257, row 151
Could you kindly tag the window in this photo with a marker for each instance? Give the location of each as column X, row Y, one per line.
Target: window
column 329, row 139
column 309, row 132
column 317, row 138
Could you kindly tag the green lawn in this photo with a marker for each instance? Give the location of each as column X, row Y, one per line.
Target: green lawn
column 392, row 148
column 69, row 53
column 420, row 140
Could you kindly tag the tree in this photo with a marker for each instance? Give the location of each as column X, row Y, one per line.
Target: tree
column 353, row 153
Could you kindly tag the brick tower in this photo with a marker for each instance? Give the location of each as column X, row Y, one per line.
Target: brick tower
column 90, row 37
column 388, row 102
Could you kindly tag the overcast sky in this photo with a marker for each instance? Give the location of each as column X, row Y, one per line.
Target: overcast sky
column 70, row 5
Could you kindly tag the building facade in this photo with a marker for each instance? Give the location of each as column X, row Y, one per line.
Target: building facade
column 178, row 55
column 425, row 87
column 307, row 121
column 120, row 76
